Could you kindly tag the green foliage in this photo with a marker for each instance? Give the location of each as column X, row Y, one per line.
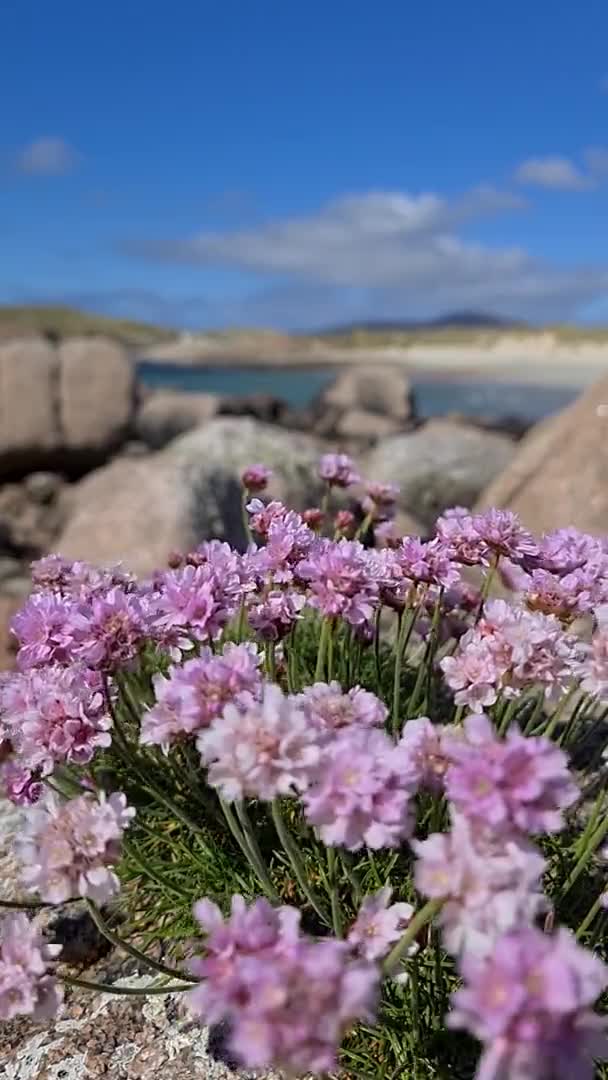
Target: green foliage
column 58, row 322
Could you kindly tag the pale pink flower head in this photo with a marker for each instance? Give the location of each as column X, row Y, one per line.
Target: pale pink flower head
column 255, row 478
column 456, row 530
column 263, row 514
column 345, row 523
column 530, row 1003
column 287, row 1000
column 27, row 985
column 195, row 693
column 379, row 924
column 509, row 786
column 314, row 518
column 262, row 750
column 424, row 756
column 338, row 470
column 487, row 886
column 329, row 709
column 55, row 714
column 193, row 602
column 70, row 848
column 20, row 785
column 504, row 535
column 111, row 632
column 340, row 581
column 592, row 668
column 275, row 616
column 379, row 502
column 43, row 628
column 564, row 550
column 360, row 795
column 427, row 562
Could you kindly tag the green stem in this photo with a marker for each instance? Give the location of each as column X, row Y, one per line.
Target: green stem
column 506, row 718
column 377, row 618
column 332, row 879
column 534, row 715
column 291, row 850
column 257, row 865
column 557, row 713
column 590, row 916
column 24, row 905
column 130, row 950
column 135, row 991
column 487, row 585
column 405, row 625
column 585, row 857
column 271, row 666
column 421, row 918
column 323, row 643
column 160, row 879
column 245, row 517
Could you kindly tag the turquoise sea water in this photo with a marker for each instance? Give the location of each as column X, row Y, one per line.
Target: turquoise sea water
column 298, row 387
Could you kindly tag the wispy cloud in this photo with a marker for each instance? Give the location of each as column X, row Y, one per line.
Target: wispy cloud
column 48, row 155
column 553, row 172
column 388, row 254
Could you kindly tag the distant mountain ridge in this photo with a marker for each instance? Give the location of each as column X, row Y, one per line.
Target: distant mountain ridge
column 467, row 320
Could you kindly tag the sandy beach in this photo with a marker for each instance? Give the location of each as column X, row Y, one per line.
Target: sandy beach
column 541, row 359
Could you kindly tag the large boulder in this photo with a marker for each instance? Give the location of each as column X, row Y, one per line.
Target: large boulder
column 137, row 511
column 65, row 408
column 439, row 465
column 559, row 475
column 29, row 420
column 96, row 394
column 165, row 414
column 373, row 388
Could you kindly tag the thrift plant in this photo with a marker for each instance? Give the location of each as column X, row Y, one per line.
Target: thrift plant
column 331, row 789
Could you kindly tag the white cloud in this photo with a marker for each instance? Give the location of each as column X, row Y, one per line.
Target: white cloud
column 554, row 172
column 49, row 155
column 389, row 254
column 596, row 158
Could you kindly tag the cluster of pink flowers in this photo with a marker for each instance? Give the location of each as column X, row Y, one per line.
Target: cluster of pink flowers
column 509, row 650
column 379, row 924
column 514, row 786
column 530, row 1002
column 70, row 848
column 479, row 539
column 190, row 696
column 489, row 885
column 338, row 470
column 288, row 999
column 53, row 715
column 329, row 709
column 339, row 581
column 27, row 985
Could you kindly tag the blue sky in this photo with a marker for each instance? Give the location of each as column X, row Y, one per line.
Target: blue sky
column 293, row 165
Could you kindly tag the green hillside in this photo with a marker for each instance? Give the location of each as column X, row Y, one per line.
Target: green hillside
column 61, row 322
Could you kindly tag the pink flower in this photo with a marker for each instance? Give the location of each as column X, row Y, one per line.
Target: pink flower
column 192, row 602
column 27, row 987
column 260, row 751
column 55, row 714
column 255, row 478
column 378, row 925
column 262, row 515
column 565, row 550
column 530, row 1004
column 509, row 650
column 69, row 848
column 338, row 470
column 288, row 540
column 427, row 562
column 488, row 886
column 456, row 530
column 19, row 785
column 339, row 580
column 110, row 633
column 329, row 709
column 288, row 1000
column 425, row 757
column 359, row 795
column 44, row 631
column 511, row 786
column 191, row 696
column 379, row 501
column 592, row 666
column 274, row 617
column 503, row 533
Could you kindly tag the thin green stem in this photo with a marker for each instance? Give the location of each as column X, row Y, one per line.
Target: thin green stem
column 23, row 905
column 586, row 856
column 147, row 870
column 332, row 880
column 245, row 517
column 251, row 841
column 507, row 716
column 270, row 659
column 258, row 867
column 127, row 991
column 131, row 950
column 323, row 643
column 295, row 860
column 421, row 918
column 487, row 585
column 405, row 625
column 558, row 712
column 597, row 905
column 377, row 618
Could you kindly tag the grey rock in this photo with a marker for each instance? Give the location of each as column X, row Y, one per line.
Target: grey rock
column 558, row 476
column 43, row 487
column 359, row 425
column 97, row 394
column 29, row 418
column 439, row 465
column 375, row 388
column 165, row 414
column 138, row 511
column 9, row 568
column 265, row 407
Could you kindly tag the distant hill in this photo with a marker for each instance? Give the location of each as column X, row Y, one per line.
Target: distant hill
column 461, row 320
column 58, row 322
